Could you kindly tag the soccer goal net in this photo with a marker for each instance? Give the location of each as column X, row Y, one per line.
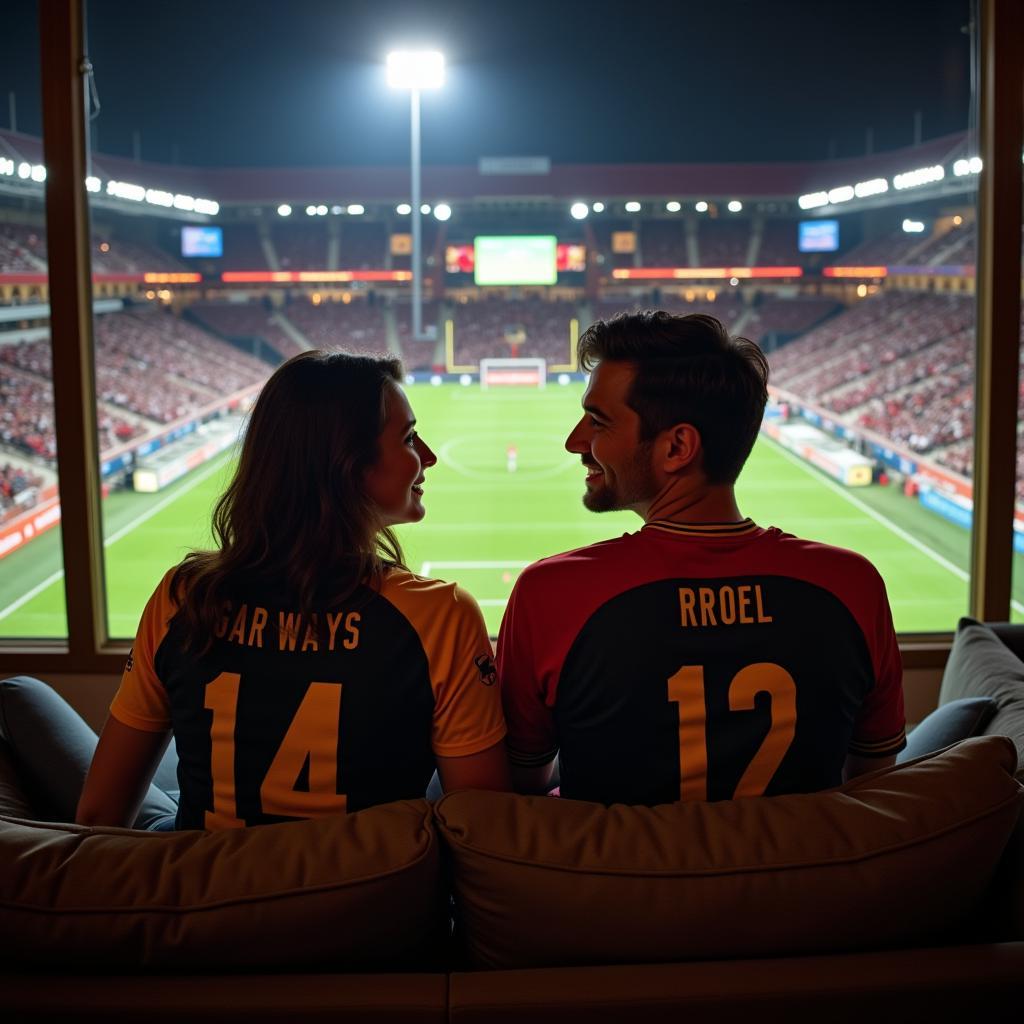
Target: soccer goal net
column 513, row 373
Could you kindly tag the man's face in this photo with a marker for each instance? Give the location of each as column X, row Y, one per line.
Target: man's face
column 607, row 439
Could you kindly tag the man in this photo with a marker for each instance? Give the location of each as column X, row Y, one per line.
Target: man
column 703, row 657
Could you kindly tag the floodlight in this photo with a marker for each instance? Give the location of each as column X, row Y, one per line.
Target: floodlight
column 673, row 206
column 284, row 210
column 735, row 206
column 841, row 194
column 356, row 209
column 38, row 172
column 321, row 210
column 701, row 207
column 632, row 206
column 403, row 209
column 24, row 169
column 415, row 69
column 874, row 187
column 734, row 281
column 597, row 207
column 336, row 210
column 442, row 211
column 310, row 211
column 425, row 209
column 812, row 200
column 913, row 227
column 92, row 183
column 579, row 211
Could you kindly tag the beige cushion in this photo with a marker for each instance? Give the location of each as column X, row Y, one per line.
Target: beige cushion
column 344, row 892
column 890, row 857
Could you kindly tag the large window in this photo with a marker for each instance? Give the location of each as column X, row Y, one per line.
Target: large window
column 260, row 205
column 31, row 566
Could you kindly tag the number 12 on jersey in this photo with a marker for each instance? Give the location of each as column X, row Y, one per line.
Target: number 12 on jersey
column 686, row 690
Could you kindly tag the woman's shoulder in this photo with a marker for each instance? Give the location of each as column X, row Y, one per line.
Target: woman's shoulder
column 427, row 593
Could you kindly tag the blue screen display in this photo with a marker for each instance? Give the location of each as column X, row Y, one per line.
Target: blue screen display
column 819, row 236
column 202, row 242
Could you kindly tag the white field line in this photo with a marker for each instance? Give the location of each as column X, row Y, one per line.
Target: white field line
column 883, row 520
column 428, row 566
column 117, row 535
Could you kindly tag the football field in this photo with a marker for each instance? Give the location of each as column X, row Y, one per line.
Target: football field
column 485, row 522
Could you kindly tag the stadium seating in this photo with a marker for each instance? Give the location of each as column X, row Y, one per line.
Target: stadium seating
column 498, row 328
column 723, row 243
column 354, row 326
column 22, row 248
column 16, row 482
column 244, row 320
column 776, row 318
column 118, row 256
column 663, row 243
column 243, row 249
column 778, row 246
column 302, row 245
column 363, row 245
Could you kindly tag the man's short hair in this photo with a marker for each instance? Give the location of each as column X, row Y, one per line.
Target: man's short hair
column 688, row 370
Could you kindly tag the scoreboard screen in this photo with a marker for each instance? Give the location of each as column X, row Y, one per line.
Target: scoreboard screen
column 819, row 236
column 207, row 242
column 514, row 259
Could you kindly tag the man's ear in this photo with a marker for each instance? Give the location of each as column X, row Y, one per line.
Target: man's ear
column 680, row 448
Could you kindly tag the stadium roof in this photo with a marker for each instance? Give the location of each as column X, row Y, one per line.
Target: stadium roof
column 261, row 185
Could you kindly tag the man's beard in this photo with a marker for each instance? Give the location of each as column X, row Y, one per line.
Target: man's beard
column 635, row 485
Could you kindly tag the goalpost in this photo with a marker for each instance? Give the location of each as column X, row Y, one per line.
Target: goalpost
column 525, row 372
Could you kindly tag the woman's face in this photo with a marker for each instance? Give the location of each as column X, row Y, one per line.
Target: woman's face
column 395, row 480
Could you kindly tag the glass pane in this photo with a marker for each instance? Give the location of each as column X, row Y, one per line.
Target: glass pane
column 281, row 220
column 31, row 561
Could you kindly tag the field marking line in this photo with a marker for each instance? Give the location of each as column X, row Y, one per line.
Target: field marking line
column 427, row 566
column 883, row 520
column 116, row 536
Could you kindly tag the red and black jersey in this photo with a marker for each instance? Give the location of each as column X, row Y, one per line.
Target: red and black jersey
column 699, row 662
column 285, row 718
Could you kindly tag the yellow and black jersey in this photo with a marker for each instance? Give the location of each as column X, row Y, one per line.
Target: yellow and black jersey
column 287, row 718
column 700, row 662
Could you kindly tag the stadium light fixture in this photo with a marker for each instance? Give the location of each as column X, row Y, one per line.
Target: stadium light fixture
column 673, row 206
column 6, row 165
column 92, row 183
column 284, row 210
column 321, row 210
column 442, row 211
column 597, row 207
column 701, row 206
column 874, row 187
column 967, row 165
column 579, row 211
column 913, row 227
column 735, row 206
column 310, row 211
column 416, row 70
column 38, row 172
column 812, row 200
column 24, row 169
column 337, row 210
column 632, row 206
column 356, row 209
column 918, row 177
column 403, row 209
column 840, row 194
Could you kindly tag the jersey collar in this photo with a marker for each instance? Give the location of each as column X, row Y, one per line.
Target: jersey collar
column 736, row 529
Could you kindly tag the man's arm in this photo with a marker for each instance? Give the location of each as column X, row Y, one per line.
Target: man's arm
column 534, row 778
column 487, row 769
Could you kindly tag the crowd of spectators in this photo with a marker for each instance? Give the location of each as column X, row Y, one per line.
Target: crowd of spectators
column 723, row 243
column 778, row 245
column 244, row 321
column 16, row 484
column 355, row 326
column 22, row 248
column 525, row 328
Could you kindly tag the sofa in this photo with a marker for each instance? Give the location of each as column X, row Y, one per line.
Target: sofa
column 897, row 896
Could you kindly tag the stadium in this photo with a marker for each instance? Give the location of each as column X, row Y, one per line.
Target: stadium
column 192, row 196
column 856, row 277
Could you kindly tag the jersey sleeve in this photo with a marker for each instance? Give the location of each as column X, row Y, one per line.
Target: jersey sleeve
column 141, row 701
column 880, row 730
column 532, row 737
column 467, row 706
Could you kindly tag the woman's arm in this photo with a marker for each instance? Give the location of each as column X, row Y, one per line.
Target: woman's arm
column 487, row 769
column 119, row 775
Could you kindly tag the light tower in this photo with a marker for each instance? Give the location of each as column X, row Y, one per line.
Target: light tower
column 416, row 70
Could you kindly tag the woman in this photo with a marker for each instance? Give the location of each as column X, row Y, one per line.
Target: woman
column 301, row 667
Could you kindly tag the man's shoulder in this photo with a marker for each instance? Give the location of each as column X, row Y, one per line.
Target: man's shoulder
column 577, row 561
column 816, row 560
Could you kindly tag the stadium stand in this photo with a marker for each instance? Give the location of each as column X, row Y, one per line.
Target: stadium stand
column 723, row 243
column 16, row 484
column 363, row 245
column 243, row 321
column 22, row 248
column 243, row 249
column 894, row 248
column 777, row 319
column 778, row 246
column 354, row 326
column 663, row 243
column 118, row 256
column 301, row 246
column 496, row 328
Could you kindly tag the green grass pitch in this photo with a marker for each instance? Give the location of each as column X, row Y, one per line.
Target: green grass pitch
column 484, row 523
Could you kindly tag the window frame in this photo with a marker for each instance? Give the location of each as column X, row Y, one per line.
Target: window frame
column 89, row 649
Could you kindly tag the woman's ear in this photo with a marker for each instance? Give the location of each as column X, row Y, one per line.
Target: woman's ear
column 680, row 448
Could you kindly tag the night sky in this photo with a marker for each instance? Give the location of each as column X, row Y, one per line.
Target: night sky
column 265, row 82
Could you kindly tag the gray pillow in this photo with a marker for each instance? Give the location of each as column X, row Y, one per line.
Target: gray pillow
column 947, row 724
column 981, row 665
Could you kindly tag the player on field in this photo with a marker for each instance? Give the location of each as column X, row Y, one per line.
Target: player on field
column 703, row 657
column 302, row 669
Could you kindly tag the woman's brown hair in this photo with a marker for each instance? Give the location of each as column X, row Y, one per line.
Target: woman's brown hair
column 295, row 519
